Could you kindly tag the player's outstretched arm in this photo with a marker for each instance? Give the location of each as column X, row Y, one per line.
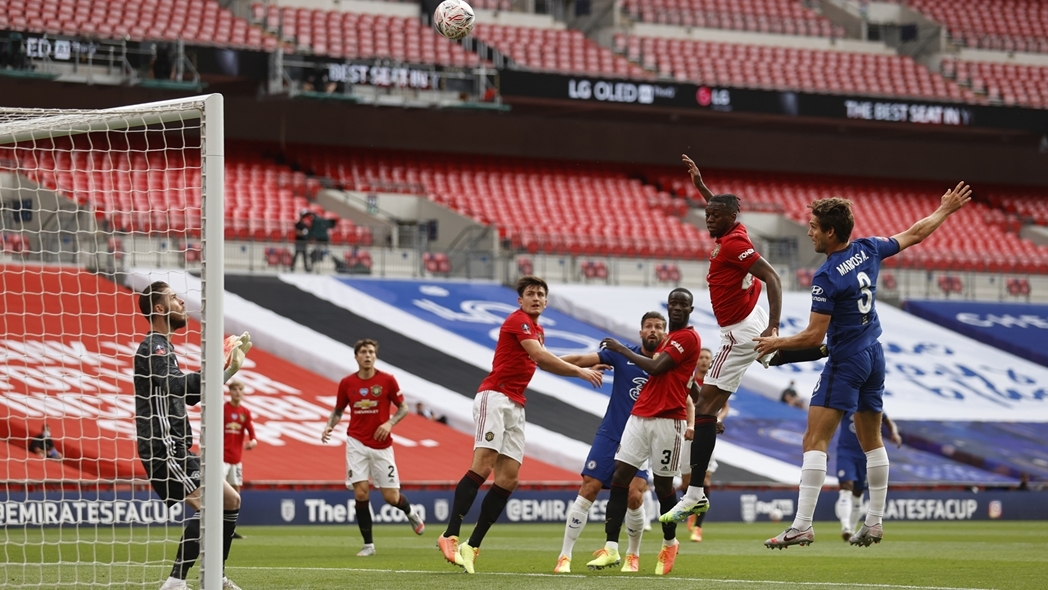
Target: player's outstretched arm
column 802, row 355
column 810, row 337
column 696, row 178
column 650, row 366
column 547, row 361
column 952, row 202
column 765, row 272
column 586, row 360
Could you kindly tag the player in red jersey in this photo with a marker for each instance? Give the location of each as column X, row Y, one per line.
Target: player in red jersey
column 369, row 445
column 695, row 521
column 734, row 263
column 239, row 435
column 498, row 410
column 655, row 429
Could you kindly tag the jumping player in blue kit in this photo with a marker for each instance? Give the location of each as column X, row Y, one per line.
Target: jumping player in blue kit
column 843, row 294
column 600, row 464
column 851, row 470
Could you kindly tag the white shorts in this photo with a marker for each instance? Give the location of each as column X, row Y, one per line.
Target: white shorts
column 685, row 460
column 499, row 424
column 363, row 462
column 656, row 439
column 233, row 473
column 737, row 351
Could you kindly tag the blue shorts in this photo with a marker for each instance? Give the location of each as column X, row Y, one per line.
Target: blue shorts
column 851, row 466
column 855, row 384
column 600, row 464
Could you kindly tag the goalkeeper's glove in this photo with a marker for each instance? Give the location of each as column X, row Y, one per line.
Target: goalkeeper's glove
column 233, row 363
column 235, row 349
column 245, row 343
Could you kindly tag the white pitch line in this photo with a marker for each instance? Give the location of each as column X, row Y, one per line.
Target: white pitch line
column 704, row 580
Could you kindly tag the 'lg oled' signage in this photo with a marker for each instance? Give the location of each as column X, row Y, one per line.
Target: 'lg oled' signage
column 618, row 91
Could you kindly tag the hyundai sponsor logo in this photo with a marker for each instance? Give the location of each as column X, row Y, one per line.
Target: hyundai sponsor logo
column 627, row 92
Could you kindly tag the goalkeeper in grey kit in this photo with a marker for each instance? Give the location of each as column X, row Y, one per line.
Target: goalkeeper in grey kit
column 162, row 392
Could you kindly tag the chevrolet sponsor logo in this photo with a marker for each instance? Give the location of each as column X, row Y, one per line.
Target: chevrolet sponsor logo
column 364, row 404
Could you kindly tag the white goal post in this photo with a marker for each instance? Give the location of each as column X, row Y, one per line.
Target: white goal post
column 75, row 185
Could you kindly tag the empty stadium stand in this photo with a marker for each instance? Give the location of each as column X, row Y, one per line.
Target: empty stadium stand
column 668, row 273
column 557, row 50
column 1012, row 84
column 195, row 21
column 436, row 263
column 159, row 192
column 976, row 239
column 538, row 206
column 1007, row 25
column 594, row 269
column 791, row 68
column 764, row 16
column 350, row 35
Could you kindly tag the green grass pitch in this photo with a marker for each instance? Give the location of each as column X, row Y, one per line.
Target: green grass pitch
column 931, row 555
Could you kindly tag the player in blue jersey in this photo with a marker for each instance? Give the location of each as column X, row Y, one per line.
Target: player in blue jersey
column 851, row 470
column 843, row 294
column 600, row 464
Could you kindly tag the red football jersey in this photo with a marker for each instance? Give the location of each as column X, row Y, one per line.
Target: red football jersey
column 238, row 423
column 371, row 402
column 512, row 368
column 733, row 291
column 665, row 395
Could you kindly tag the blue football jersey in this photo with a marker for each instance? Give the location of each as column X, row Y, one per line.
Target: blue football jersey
column 629, row 378
column 845, row 288
column 848, row 441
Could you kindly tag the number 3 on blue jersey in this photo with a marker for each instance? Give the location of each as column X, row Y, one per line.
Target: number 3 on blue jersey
column 866, row 296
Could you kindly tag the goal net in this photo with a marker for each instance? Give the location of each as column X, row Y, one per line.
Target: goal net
column 85, row 197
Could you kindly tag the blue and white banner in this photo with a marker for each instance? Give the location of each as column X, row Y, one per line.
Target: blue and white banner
column 324, row 507
column 475, row 311
column 932, row 373
column 1018, row 328
column 72, row 508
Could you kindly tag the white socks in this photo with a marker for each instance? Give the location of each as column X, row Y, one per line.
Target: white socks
column 694, row 494
column 651, row 505
column 634, row 529
column 877, row 476
column 856, row 509
column 813, row 475
column 843, row 509
column 577, row 516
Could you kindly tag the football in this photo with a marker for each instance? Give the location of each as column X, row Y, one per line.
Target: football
column 775, row 514
column 453, row 19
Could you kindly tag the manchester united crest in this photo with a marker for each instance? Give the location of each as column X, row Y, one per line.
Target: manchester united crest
column 489, row 436
column 376, row 390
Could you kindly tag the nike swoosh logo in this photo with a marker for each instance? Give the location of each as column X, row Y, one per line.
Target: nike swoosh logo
column 788, row 538
column 631, row 363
